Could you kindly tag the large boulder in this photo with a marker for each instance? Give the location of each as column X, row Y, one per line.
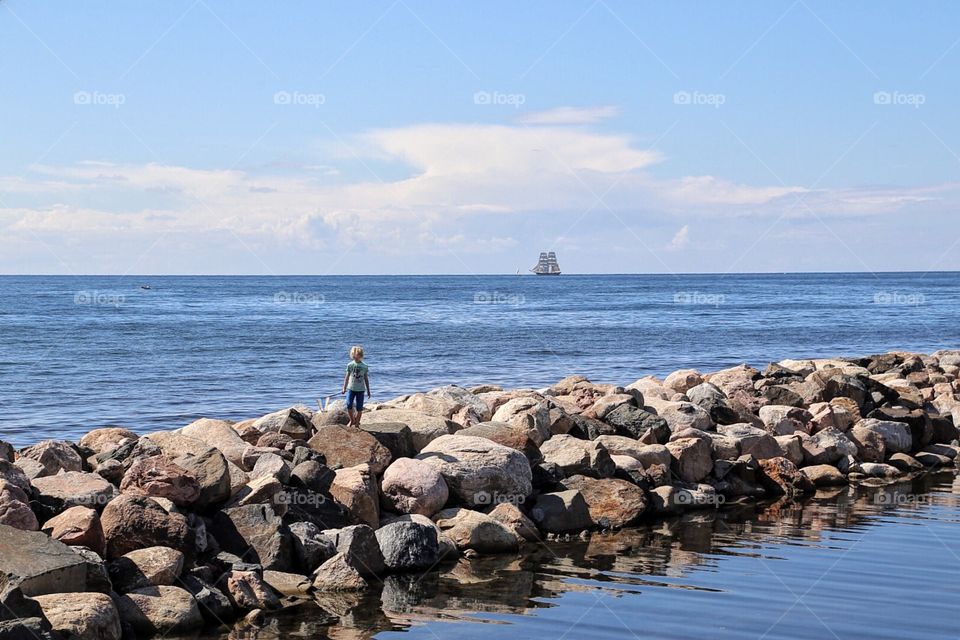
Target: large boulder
column 356, row 489
column 15, row 508
column 781, row 477
column 871, row 447
column 612, row 503
column 39, row 565
column 149, row 567
column 824, row 475
column 408, row 546
column 134, row 522
column 87, row 616
column 575, row 456
column 897, row 437
column 682, row 380
column 827, row 446
column 634, row 422
column 247, row 590
column 561, row 512
column 423, row 428
column 78, row 526
column 256, row 533
column 474, row 530
column 510, row 515
column 527, row 415
column 160, row 477
column 395, row 436
column 479, row 471
column 336, row 574
column 503, row 433
column 199, row 459
column 691, row 458
column 220, row 435
column 54, row 456
column 73, row 488
column 346, row 446
column 751, row 440
column 413, row 486
column 359, row 547
column 685, row 415
column 292, row 422
column 107, row 439
column 160, row 610
column 311, row 547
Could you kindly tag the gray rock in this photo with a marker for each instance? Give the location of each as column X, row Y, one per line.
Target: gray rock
column 359, row 546
column 407, row 546
column 310, row 547
column 255, row 533
column 39, row 565
column 160, row 610
column 561, row 512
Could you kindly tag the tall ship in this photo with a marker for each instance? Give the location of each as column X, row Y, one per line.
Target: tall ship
column 547, row 264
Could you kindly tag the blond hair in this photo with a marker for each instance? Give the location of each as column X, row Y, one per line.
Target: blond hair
column 356, row 352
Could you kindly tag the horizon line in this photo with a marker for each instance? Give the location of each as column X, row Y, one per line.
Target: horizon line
column 465, row 275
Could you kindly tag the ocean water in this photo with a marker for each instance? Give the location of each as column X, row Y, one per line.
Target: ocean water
column 849, row 563
column 82, row 352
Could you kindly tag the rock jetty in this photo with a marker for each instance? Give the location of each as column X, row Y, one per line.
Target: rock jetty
column 126, row 535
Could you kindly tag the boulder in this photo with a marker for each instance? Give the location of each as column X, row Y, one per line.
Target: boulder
column 73, row 488
column 220, row 435
column 90, row 616
column 149, row 567
column 477, row 470
column 682, row 380
column 751, row 441
column 791, row 448
column 247, row 590
column 773, row 414
column 263, row 490
column 39, row 565
column 271, row 465
column 356, row 489
column 349, row 446
column 359, row 547
column 134, row 522
column 561, row 512
column 395, row 436
column 612, row 503
column 160, row 610
column 781, row 477
column 413, row 486
column 824, row 475
column 423, row 428
column 685, row 415
column 78, row 526
column 160, row 477
column 107, row 439
column 408, row 546
column 633, row 422
column 734, row 380
column 7, row 452
column 826, row 414
column 690, row 458
column 310, row 547
column 530, row 416
column 256, row 533
column 336, row 574
column 904, row 463
column 13, row 474
column 15, row 508
column 896, row 435
column 880, row 470
column 203, row 462
column 871, row 446
column 293, row 422
column 478, row 531
column 54, row 456
column 574, row 456
column 287, row 584
column 604, row 405
column 827, row 446
column 510, row 515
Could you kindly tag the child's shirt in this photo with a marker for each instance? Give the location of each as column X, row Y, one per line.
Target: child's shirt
column 357, row 371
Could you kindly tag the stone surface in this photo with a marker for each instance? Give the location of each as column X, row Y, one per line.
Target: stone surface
column 474, row 530
column 160, row 610
column 413, row 486
column 54, row 456
column 529, row 415
column 510, row 515
column 256, row 533
column 78, row 526
column 360, row 548
column 575, row 456
column 74, row 488
column 479, row 471
column 349, row 446
column 827, row 446
column 685, row 415
column 612, row 503
column 247, row 590
column 690, row 458
column 15, row 508
column 86, row 616
column 107, row 439
column 824, row 475
column 336, row 574
column 561, row 512
column 782, row 477
column 292, row 422
column 310, row 547
column 395, row 436
column 896, row 435
column 356, row 489
column 39, row 565
column 423, row 428
column 751, row 440
column 408, row 546
column 149, row 567
column 134, row 522
column 160, row 477
column 220, row 435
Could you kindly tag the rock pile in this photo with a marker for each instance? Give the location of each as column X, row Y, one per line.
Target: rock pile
column 165, row 532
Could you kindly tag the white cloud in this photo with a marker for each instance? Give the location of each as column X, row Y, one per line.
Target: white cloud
column 680, row 239
column 569, row 115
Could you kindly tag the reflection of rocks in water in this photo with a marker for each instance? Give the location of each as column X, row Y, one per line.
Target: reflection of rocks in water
column 402, row 593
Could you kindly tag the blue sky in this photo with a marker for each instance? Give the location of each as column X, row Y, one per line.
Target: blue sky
column 404, row 136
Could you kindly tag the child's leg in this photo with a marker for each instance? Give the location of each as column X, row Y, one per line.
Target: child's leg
column 351, row 399
column 359, row 398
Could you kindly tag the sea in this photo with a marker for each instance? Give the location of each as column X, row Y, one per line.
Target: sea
column 154, row 353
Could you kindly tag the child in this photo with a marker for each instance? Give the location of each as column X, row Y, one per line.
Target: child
column 354, row 383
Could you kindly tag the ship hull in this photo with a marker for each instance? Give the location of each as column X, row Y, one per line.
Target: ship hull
column 555, row 273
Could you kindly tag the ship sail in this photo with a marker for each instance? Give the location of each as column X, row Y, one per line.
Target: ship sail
column 547, row 264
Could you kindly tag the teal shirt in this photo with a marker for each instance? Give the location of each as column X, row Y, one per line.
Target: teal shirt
column 356, row 372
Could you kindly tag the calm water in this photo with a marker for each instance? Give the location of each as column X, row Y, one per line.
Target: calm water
column 847, row 564
column 82, row 352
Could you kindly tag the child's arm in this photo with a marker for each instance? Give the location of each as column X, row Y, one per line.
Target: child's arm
column 346, row 377
column 366, row 381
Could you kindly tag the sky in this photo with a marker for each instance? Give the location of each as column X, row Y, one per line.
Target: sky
column 414, row 136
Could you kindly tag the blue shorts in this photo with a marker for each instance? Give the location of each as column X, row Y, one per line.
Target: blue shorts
column 355, row 398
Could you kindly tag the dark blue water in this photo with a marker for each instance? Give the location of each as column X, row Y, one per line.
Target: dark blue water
column 81, row 352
